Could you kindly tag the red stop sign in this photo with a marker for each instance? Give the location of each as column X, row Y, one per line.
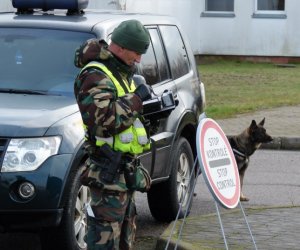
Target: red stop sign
column 217, row 163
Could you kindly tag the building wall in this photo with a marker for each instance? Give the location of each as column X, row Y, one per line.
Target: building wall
column 5, row 5
column 239, row 35
column 245, row 35
column 187, row 11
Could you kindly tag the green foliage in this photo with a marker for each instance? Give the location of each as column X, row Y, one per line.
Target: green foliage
column 240, row 87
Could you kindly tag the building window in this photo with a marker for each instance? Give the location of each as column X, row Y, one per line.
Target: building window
column 269, row 9
column 219, row 5
column 218, row 8
column 270, row 5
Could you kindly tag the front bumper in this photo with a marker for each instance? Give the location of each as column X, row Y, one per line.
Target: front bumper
column 45, row 207
column 31, row 219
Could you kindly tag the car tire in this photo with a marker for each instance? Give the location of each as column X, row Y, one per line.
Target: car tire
column 165, row 198
column 70, row 234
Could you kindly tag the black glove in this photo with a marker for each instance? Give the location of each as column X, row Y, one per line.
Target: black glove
column 143, row 91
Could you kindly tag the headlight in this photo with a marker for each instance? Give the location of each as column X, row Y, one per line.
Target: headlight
column 27, row 154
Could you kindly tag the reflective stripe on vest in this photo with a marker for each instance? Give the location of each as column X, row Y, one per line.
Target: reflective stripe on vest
column 132, row 140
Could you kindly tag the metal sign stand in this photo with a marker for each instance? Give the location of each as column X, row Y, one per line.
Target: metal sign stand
column 249, row 229
column 179, row 209
column 222, row 227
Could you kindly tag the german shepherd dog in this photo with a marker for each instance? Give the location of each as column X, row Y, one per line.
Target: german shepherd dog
column 245, row 144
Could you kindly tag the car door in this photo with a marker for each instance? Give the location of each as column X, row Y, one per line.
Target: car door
column 155, row 68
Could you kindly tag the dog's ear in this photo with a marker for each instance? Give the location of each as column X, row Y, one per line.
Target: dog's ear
column 252, row 127
column 253, row 124
column 262, row 122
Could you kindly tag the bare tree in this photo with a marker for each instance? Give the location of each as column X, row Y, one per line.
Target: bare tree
column 120, row 4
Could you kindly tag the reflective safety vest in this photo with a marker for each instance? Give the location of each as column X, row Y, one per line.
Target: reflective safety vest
column 132, row 140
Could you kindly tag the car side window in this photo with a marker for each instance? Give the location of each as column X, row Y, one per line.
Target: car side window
column 148, row 67
column 154, row 66
column 176, row 51
column 160, row 55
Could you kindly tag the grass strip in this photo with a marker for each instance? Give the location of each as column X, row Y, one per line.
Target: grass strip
column 234, row 87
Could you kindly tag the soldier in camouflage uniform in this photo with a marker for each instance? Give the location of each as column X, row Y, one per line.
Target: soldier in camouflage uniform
column 110, row 103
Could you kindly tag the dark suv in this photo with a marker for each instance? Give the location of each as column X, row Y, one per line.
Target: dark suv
column 41, row 134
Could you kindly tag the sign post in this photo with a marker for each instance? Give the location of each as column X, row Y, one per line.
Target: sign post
column 217, row 163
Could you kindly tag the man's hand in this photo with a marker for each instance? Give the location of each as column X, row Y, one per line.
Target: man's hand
column 143, row 91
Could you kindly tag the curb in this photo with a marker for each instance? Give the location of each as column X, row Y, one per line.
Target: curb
column 281, row 143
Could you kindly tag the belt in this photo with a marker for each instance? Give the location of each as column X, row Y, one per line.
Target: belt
column 104, row 162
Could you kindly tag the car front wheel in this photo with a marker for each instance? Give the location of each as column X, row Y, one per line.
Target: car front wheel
column 70, row 234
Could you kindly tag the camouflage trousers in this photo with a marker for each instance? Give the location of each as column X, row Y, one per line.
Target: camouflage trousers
column 113, row 226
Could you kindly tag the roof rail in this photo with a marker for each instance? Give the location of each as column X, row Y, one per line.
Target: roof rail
column 24, row 11
column 74, row 12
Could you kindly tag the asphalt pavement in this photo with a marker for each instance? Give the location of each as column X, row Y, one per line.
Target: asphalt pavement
column 276, row 227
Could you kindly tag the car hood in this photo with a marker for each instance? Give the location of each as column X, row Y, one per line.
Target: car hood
column 32, row 115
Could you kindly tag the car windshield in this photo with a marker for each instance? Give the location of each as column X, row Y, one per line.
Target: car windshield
column 38, row 60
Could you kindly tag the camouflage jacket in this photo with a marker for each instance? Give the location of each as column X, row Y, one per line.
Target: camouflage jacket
column 103, row 112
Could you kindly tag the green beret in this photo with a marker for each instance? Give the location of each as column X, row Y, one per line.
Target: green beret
column 132, row 35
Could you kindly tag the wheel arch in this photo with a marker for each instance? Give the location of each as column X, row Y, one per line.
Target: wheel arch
column 78, row 159
column 187, row 128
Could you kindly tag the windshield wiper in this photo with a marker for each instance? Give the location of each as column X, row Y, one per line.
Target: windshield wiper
column 22, row 91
